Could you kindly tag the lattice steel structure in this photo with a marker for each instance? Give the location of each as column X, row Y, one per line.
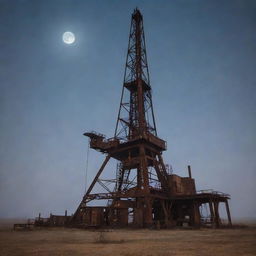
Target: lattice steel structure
column 136, row 114
column 144, row 193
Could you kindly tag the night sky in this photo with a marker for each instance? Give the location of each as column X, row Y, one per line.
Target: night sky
column 202, row 59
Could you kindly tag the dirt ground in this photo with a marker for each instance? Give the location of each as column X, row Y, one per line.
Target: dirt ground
column 63, row 241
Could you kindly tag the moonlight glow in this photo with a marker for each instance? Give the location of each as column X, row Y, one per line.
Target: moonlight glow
column 68, row 38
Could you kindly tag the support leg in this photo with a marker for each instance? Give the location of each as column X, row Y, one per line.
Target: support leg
column 166, row 222
column 228, row 213
column 217, row 216
column 147, row 204
column 196, row 218
column 212, row 214
column 97, row 176
column 91, row 186
column 147, row 213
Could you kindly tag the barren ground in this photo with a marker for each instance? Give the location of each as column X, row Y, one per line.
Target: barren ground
column 63, row 241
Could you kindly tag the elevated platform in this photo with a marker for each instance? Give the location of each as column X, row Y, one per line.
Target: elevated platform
column 176, row 210
column 121, row 150
column 100, row 143
column 132, row 86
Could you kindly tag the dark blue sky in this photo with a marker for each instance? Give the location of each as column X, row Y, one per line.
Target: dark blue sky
column 202, row 59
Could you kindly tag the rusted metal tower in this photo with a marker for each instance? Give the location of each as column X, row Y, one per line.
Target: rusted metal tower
column 144, row 194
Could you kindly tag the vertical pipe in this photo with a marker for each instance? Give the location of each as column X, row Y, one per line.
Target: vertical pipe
column 189, row 172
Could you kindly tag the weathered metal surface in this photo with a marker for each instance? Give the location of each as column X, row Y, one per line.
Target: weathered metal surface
column 145, row 194
column 151, row 197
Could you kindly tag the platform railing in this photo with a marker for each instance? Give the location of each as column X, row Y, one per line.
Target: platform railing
column 211, row 191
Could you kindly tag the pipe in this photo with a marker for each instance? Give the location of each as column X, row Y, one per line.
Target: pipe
column 189, row 172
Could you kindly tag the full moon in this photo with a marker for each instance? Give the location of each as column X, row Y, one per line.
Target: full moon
column 68, row 37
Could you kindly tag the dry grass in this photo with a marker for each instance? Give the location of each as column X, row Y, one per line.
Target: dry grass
column 61, row 241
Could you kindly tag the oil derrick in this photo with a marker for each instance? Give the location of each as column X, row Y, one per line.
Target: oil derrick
column 144, row 194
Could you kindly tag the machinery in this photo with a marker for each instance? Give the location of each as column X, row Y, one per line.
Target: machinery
column 144, row 192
